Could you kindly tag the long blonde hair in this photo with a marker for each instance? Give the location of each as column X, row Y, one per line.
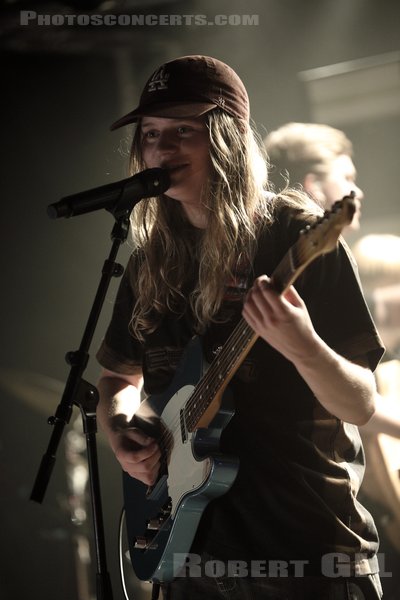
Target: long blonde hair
column 236, row 205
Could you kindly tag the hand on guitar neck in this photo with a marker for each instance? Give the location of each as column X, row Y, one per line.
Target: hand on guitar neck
column 282, row 320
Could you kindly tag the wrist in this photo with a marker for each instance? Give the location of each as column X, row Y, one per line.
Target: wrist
column 312, row 352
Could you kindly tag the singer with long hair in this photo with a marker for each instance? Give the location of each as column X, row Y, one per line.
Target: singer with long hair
column 290, row 525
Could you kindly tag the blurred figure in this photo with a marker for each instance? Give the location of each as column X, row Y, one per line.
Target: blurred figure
column 317, row 157
column 378, row 258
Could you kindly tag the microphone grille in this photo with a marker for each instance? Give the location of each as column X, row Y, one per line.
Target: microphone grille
column 157, row 181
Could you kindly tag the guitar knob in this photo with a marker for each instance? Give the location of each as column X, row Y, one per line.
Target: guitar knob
column 155, row 524
column 144, row 543
column 166, row 510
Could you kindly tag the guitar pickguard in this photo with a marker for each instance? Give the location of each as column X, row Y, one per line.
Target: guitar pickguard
column 185, row 473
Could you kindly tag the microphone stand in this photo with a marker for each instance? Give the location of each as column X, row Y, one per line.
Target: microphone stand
column 85, row 395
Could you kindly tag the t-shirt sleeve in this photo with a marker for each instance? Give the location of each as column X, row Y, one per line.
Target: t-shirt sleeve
column 119, row 350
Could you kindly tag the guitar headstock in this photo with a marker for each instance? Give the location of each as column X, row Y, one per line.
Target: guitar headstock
column 322, row 236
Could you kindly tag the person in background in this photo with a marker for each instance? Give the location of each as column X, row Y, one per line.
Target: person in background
column 205, row 251
column 378, row 259
column 317, row 157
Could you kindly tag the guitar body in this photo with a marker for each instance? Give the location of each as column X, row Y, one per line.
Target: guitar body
column 162, row 521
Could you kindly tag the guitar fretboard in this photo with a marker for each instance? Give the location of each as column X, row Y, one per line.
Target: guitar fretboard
column 220, row 372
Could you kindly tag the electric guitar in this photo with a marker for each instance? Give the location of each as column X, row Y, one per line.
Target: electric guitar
column 187, row 421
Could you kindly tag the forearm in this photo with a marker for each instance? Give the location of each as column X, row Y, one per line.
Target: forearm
column 347, row 390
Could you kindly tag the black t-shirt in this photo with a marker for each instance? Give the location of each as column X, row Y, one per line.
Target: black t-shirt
column 300, row 467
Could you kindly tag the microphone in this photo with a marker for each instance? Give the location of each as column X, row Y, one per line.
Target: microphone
column 121, row 195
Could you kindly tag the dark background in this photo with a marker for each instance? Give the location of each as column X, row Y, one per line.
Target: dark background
column 61, row 88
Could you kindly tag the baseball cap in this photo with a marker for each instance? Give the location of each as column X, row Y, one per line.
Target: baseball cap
column 190, row 86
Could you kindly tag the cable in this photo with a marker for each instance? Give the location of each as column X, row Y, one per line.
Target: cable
column 121, row 553
column 155, row 587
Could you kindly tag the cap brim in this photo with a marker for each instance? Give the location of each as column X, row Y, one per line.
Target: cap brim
column 167, row 110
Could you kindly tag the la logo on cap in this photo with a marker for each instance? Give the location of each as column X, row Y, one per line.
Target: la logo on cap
column 159, row 80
